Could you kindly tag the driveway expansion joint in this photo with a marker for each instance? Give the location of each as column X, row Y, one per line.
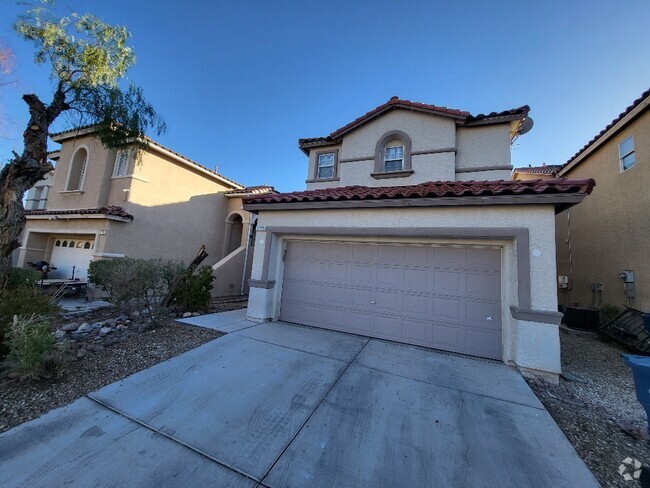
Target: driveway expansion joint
column 542, row 408
column 171, row 438
column 334, row 383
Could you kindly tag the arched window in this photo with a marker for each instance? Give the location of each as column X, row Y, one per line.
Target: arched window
column 80, row 244
column 86, row 245
column 64, row 244
column 77, row 169
column 57, row 243
column 393, row 155
column 71, row 244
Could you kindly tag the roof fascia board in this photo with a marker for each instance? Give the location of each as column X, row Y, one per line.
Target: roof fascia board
column 606, row 136
column 551, row 199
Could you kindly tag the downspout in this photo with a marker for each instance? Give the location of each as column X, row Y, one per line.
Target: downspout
column 251, row 223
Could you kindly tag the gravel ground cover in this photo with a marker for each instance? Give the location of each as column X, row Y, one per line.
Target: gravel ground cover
column 600, row 414
column 23, row 399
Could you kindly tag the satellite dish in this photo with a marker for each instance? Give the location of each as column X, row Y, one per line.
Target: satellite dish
column 525, row 126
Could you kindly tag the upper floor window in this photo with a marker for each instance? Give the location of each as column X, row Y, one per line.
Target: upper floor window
column 394, row 158
column 77, row 170
column 626, row 153
column 121, row 163
column 325, row 165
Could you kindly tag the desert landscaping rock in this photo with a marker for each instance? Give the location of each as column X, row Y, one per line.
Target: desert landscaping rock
column 95, row 365
column 187, row 314
column 70, row 327
column 599, row 415
column 85, row 327
column 104, row 331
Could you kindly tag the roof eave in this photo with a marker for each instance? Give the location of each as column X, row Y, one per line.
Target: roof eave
column 617, row 127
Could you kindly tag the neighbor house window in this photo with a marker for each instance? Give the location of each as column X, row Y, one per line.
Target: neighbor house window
column 77, row 170
column 326, row 165
column 121, row 163
column 394, row 158
column 626, row 153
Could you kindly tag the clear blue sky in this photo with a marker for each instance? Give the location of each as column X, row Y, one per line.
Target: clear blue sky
column 239, row 82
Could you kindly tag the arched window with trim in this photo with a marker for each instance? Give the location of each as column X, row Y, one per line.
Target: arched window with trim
column 77, row 170
column 64, row 244
column 393, row 155
column 86, row 245
column 57, row 243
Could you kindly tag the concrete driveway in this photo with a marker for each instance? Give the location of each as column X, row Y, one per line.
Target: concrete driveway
column 283, row 405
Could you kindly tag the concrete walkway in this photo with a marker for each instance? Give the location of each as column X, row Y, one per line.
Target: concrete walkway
column 281, row 405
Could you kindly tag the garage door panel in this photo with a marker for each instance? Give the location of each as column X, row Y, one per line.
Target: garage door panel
column 482, row 313
column 482, row 258
column 482, row 285
column 416, row 255
column 442, row 297
column 390, row 277
column 339, row 253
column 416, row 331
column 450, row 257
column 388, row 301
column 338, row 273
column 360, row 297
column 482, row 343
column 390, row 254
column 447, row 337
column 335, row 296
column 417, row 304
column 388, row 328
column 418, row 279
column 448, row 308
column 448, row 281
column 362, row 275
column 318, row 252
column 362, row 253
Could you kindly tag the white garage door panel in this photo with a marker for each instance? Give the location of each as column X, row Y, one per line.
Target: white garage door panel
column 442, row 297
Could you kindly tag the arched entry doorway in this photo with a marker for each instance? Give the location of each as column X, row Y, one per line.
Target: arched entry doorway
column 236, row 228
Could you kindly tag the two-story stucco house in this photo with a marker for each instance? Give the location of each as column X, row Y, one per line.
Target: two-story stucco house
column 145, row 201
column 395, row 238
column 602, row 245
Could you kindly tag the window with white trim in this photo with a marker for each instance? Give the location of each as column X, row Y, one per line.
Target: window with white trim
column 393, row 158
column 325, row 165
column 626, row 153
column 121, row 163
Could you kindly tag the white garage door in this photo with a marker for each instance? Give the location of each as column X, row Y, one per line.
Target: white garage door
column 71, row 253
column 441, row 297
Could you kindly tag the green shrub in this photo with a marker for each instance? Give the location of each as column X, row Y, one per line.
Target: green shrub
column 33, row 347
column 193, row 292
column 137, row 284
column 22, row 297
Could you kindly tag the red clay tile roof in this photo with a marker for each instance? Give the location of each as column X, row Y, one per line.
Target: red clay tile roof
column 432, row 189
column 620, row 117
column 111, row 210
column 149, row 140
column 394, row 103
column 545, row 169
column 254, row 190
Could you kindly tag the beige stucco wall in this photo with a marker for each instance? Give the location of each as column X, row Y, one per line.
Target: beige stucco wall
column 176, row 209
column 99, row 167
column 610, row 229
column 535, row 350
column 480, row 146
column 477, row 147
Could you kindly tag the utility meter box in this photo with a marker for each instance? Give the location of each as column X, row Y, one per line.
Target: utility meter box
column 563, row 281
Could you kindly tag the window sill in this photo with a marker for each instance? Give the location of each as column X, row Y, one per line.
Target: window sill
column 71, row 192
column 319, row 180
column 392, row 174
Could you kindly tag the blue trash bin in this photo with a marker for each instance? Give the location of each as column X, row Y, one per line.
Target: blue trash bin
column 641, row 371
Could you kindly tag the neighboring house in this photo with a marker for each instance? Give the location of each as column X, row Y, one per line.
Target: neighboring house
column 145, row 201
column 602, row 245
column 543, row 172
column 391, row 240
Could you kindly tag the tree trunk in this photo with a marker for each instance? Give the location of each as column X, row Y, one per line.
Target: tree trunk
column 22, row 172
